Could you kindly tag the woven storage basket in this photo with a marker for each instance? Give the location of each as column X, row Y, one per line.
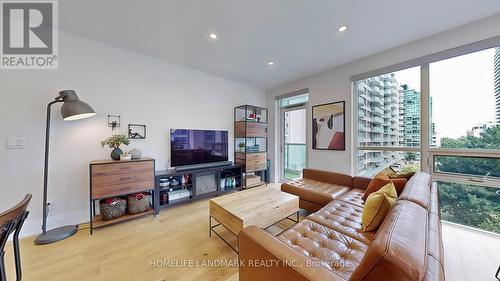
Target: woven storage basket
column 138, row 203
column 112, row 208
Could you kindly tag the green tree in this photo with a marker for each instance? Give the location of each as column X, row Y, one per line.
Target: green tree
column 411, row 156
column 489, row 139
column 471, row 205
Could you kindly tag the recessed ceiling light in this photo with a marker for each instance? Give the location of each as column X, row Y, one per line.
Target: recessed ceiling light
column 212, row 36
column 270, row 63
column 342, row 28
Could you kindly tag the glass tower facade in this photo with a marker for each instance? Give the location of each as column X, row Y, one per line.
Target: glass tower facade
column 411, row 116
column 497, row 85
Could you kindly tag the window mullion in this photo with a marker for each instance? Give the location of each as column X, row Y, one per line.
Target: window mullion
column 425, row 119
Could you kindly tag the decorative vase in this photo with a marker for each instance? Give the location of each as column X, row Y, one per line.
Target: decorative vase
column 115, row 154
column 136, row 153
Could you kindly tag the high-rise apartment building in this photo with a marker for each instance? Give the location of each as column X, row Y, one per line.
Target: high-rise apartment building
column 411, row 116
column 389, row 115
column 478, row 129
column 497, row 84
column 379, row 120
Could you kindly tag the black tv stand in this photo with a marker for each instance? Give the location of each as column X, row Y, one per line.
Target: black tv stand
column 195, row 184
column 203, row 166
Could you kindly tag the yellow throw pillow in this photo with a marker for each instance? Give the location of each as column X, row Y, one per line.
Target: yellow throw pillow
column 377, row 205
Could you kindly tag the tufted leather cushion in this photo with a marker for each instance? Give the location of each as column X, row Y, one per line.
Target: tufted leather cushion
column 345, row 218
column 418, row 190
column 259, row 247
column 337, row 252
column 353, row 196
column 314, row 191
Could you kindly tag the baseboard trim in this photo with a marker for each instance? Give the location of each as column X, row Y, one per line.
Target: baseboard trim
column 33, row 226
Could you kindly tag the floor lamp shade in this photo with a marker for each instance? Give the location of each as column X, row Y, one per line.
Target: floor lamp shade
column 72, row 109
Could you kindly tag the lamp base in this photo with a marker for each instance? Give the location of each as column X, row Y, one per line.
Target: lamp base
column 56, row 234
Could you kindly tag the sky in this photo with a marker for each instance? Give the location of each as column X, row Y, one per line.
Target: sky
column 462, row 91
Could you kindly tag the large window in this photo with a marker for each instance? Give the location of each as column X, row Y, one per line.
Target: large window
column 389, row 122
column 470, row 205
column 442, row 117
column 463, row 96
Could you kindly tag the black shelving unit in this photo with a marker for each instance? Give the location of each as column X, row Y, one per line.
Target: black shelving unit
column 219, row 175
column 251, row 142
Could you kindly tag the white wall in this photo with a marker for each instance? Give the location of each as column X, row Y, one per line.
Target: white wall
column 335, row 85
column 141, row 89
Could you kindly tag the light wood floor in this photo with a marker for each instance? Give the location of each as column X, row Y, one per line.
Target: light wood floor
column 470, row 255
column 126, row 251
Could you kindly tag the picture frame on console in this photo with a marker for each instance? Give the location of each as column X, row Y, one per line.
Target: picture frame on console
column 328, row 126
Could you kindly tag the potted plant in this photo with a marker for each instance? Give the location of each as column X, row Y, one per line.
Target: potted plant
column 241, row 145
column 114, row 142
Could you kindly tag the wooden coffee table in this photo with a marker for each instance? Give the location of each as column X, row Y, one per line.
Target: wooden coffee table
column 261, row 206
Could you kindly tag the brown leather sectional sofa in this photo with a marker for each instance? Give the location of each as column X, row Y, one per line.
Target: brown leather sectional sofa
column 330, row 245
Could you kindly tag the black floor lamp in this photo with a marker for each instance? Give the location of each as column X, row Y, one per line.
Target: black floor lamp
column 72, row 109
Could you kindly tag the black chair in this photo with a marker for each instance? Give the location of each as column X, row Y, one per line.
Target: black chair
column 11, row 221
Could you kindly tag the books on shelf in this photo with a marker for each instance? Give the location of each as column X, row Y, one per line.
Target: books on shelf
column 178, row 194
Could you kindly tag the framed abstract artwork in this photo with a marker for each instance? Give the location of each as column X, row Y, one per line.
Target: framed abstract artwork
column 136, row 131
column 328, row 125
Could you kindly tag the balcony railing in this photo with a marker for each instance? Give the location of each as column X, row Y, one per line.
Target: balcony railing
column 377, row 100
column 377, row 111
column 376, row 92
column 365, row 96
column 295, row 160
column 378, row 120
column 375, row 81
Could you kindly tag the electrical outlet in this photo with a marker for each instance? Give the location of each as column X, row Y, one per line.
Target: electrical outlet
column 16, row 142
column 50, row 205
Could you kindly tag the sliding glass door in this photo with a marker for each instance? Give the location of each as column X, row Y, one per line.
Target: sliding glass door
column 293, row 148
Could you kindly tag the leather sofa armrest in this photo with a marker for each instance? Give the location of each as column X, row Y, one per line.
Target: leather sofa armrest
column 328, row 177
column 360, row 182
column 262, row 257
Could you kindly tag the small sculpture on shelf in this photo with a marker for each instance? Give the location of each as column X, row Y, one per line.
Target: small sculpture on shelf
column 136, row 153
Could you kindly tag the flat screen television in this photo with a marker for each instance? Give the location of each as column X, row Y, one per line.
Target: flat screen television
column 192, row 147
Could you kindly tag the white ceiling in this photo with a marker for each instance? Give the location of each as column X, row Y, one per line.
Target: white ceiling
column 299, row 35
